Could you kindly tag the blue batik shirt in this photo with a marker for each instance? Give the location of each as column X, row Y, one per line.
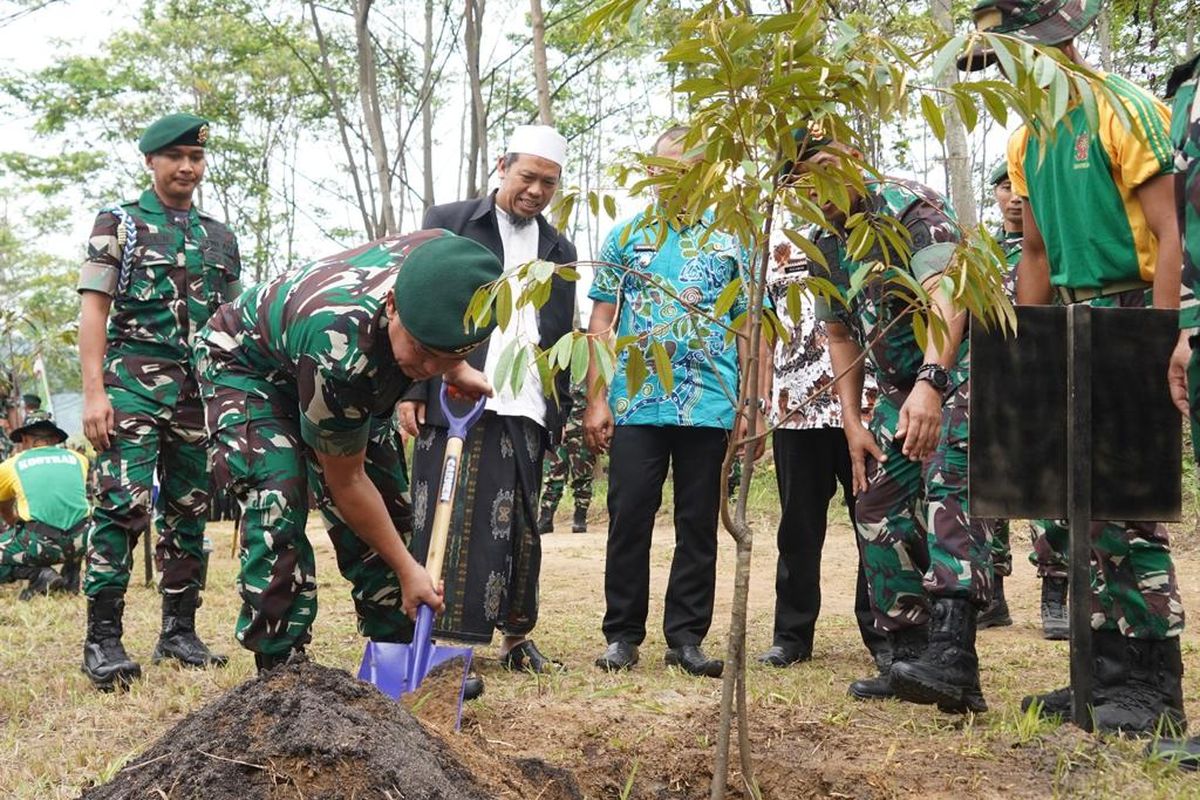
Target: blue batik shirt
column 704, row 364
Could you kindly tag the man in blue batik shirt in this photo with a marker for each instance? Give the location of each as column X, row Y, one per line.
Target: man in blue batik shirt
column 686, row 429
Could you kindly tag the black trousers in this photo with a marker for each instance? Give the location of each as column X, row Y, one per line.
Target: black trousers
column 638, row 464
column 809, row 465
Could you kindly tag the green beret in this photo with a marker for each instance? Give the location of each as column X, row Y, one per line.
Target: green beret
column 32, row 400
column 434, row 287
column 40, row 422
column 999, row 172
column 173, row 129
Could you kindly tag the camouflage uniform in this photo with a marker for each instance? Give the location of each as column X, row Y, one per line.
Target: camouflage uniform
column 176, row 279
column 301, row 364
column 1185, row 135
column 918, row 541
column 572, row 457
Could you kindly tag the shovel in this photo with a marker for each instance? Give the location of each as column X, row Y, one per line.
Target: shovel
column 398, row 669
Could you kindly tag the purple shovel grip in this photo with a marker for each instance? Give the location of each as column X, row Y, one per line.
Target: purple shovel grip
column 460, row 425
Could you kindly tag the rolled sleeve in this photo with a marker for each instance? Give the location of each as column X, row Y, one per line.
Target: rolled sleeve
column 101, row 271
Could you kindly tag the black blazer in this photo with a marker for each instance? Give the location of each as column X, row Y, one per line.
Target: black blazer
column 476, row 220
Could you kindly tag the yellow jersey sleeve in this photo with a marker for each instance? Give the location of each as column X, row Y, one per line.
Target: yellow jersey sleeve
column 1016, row 161
column 1143, row 150
column 8, row 480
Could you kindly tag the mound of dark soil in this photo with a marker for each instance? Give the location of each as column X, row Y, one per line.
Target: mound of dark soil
column 301, row 731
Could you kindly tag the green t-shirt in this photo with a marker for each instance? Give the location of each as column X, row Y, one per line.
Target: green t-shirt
column 49, row 484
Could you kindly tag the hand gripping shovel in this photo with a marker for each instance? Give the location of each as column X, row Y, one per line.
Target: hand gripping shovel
column 398, row 669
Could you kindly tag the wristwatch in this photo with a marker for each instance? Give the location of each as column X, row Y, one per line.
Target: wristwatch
column 937, row 375
column 762, row 405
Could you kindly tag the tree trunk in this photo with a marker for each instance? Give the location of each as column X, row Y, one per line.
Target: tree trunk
column 541, row 74
column 368, row 89
column 477, row 162
column 958, row 162
column 427, row 198
column 1104, row 35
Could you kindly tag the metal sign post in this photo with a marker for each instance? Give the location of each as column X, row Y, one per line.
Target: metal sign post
column 1079, row 506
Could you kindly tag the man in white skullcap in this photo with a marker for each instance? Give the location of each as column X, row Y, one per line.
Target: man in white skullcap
column 494, row 555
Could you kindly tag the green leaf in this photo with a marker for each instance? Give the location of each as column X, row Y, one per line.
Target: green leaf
column 794, row 302
column 560, row 353
column 519, row 368
column 933, row 115
column 727, row 298
column 610, row 206
column 945, row 55
column 579, row 359
column 604, row 360
column 504, row 304
column 662, row 366
column 635, row 371
column 504, row 364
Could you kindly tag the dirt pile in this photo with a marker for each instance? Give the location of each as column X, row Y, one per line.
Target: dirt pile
column 302, row 731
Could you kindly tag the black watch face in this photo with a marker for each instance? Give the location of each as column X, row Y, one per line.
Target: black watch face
column 940, row 379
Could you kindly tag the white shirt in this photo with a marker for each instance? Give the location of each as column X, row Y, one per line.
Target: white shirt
column 520, row 247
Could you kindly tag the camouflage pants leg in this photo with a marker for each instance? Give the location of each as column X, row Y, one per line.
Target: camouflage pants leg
column 583, row 468
column 554, row 478
column 258, row 453
column 1001, row 548
column 1134, row 590
column 1051, row 543
column 181, row 512
column 24, row 546
column 891, row 526
column 376, row 589
column 959, row 546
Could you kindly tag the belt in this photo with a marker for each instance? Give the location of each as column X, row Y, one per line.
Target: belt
column 1071, row 296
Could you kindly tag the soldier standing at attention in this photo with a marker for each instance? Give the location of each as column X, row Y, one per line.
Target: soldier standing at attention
column 1120, row 178
column 572, row 459
column 161, row 267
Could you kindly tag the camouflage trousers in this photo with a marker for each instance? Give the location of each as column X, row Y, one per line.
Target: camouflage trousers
column 150, row 437
column 259, row 455
column 1048, row 554
column 918, row 541
column 35, row 544
column 570, row 458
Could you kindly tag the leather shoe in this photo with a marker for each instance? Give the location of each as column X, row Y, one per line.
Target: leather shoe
column 618, row 656
column 691, row 659
column 472, row 686
column 525, row 657
column 784, row 655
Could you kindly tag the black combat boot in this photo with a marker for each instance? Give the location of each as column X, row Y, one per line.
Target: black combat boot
column 996, row 614
column 579, row 521
column 44, row 581
column 1109, row 664
column 1183, row 753
column 904, row 645
column 947, row 675
column 546, row 521
column 1150, row 700
column 1056, row 625
column 70, row 573
column 178, row 639
column 105, row 661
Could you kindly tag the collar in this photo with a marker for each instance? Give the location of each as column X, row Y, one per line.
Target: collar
column 149, row 202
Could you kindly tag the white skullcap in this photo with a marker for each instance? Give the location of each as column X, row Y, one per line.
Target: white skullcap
column 539, row 140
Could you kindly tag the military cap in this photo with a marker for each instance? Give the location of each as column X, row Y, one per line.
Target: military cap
column 1037, row 21
column 173, row 129
column 434, row 286
column 38, row 422
column 999, row 172
column 809, row 140
column 31, row 400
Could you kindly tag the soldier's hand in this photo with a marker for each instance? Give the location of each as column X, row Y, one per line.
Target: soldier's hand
column 1177, row 374
column 920, row 422
column 861, row 444
column 412, row 417
column 98, row 419
column 597, row 426
column 469, row 382
column 416, row 587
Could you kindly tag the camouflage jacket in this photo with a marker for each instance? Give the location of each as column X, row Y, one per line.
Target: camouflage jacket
column 1011, row 243
column 1185, row 136
column 176, row 279
column 314, row 343
column 929, row 220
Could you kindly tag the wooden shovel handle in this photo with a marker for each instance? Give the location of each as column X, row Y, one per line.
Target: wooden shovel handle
column 451, row 462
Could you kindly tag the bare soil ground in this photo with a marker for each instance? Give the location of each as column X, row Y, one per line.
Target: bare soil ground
column 644, row 734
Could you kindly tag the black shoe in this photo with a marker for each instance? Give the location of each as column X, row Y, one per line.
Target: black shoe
column 996, row 614
column 1150, row 700
column 178, row 639
column 546, row 521
column 903, row 645
column 70, row 574
column 525, row 657
column 1055, row 703
column 1183, row 753
column 618, row 656
column 472, row 686
column 105, row 661
column 44, row 582
column 784, row 655
column 947, row 675
column 579, row 521
column 1056, row 624
column 691, row 659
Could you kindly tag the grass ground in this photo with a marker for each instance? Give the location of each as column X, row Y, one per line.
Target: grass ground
column 645, row 734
